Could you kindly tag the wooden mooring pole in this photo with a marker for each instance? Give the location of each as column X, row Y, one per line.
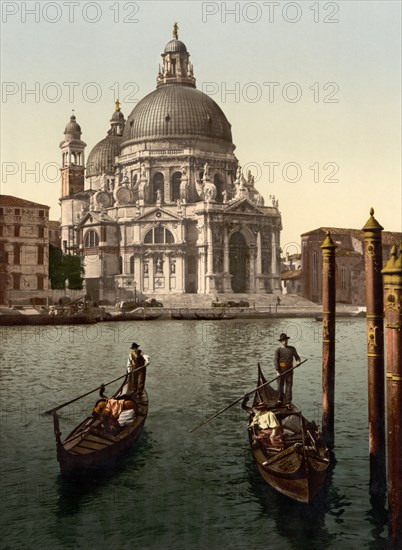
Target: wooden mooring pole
column 375, row 355
column 392, row 273
column 328, row 340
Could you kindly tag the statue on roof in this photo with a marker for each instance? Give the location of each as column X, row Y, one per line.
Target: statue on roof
column 176, row 31
column 117, row 103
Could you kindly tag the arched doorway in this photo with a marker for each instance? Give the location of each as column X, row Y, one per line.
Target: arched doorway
column 238, row 255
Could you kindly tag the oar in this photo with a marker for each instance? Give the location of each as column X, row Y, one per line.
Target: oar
column 50, row 411
column 243, row 396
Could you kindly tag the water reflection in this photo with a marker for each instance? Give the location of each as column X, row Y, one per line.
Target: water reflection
column 378, row 518
column 302, row 525
column 75, row 490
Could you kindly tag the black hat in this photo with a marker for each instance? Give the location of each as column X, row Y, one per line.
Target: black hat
column 283, row 337
column 134, row 345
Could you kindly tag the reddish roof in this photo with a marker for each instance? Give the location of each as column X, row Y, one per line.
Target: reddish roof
column 388, row 237
column 348, row 252
column 55, row 224
column 9, row 200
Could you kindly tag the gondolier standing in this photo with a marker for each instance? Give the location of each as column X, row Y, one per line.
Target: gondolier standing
column 283, row 362
column 134, row 362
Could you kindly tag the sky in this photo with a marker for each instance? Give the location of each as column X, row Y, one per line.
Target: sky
column 312, row 91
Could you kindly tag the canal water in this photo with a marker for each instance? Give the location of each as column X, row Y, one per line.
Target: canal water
column 179, row 490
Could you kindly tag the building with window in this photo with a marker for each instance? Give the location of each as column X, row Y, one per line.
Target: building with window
column 350, row 265
column 162, row 205
column 24, row 250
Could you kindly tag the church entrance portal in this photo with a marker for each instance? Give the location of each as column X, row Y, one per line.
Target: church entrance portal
column 238, row 262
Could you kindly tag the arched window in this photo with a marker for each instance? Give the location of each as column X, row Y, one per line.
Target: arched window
column 175, row 186
column 158, row 185
column 159, row 235
column 131, row 265
column 120, row 264
column 219, row 187
column 91, row 239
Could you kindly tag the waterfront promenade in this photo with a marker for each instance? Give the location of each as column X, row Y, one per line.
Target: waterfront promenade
column 263, row 305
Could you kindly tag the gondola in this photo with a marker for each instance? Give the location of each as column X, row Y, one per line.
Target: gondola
column 90, row 446
column 213, row 316
column 292, row 457
column 139, row 314
column 45, row 320
column 202, row 315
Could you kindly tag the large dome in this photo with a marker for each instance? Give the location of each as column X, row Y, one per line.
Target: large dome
column 101, row 159
column 177, row 111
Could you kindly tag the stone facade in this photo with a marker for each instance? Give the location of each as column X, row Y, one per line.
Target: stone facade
column 165, row 206
column 350, row 266
column 24, row 250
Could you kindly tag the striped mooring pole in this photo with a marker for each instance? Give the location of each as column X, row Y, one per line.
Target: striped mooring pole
column 328, row 340
column 392, row 274
column 375, row 355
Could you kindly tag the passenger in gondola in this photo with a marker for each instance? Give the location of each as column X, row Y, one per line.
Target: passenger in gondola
column 108, row 412
column 264, row 424
column 135, row 363
column 284, row 356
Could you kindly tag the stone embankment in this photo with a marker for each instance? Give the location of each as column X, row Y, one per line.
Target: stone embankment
column 263, row 305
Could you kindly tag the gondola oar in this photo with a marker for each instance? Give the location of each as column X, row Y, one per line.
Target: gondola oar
column 243, row 396
column 51, row 411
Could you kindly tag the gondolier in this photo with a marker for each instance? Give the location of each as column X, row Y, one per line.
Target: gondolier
column 134, row 363
column 284, row 356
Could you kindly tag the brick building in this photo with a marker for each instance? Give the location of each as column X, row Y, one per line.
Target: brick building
column 350, row 268
column 24, row 250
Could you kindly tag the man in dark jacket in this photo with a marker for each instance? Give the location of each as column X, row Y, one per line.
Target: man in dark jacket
column 283, row 362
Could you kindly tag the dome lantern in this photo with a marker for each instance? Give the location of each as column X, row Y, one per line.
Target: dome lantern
column 176, row 68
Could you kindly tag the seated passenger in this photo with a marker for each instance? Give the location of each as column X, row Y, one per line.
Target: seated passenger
column 108, row 412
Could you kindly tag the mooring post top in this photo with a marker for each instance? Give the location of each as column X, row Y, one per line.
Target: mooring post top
column 394, row 264
column 372, row 224
column 328, row 242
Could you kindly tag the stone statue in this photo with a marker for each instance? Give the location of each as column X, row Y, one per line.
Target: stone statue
column 250, row 178
column 141, row 190
column 206, row 172
column 125, row 180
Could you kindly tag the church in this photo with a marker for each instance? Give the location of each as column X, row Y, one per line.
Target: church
column 161, row 204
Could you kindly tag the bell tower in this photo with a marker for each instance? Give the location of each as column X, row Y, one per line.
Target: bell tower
column 72, row 159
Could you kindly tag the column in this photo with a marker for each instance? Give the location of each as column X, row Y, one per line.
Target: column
column 180, row 273
column 259, row 254
column 328, row 340
column 375, row 355
column 201, row 271
column 210, row 282
column 393, row 328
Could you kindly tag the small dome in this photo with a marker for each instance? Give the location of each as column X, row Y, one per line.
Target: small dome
column 175, row 46
column 73, row 127
column 117, row 116
column 101, row 159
